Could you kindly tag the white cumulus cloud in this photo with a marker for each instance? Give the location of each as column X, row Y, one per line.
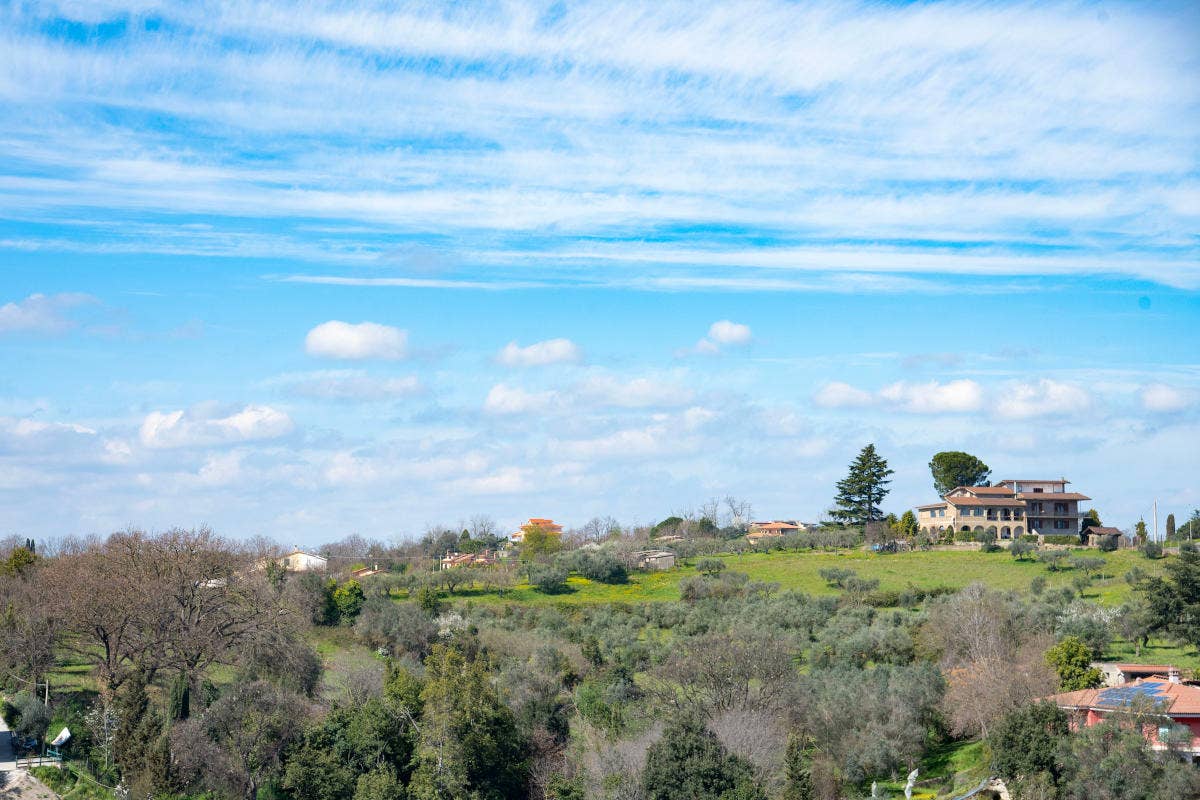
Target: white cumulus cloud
column 40, row 313
column 336, row 339
column 1162, row 398
column 551, row 351
column 505, row 399
column 633, row 393
column 190, row 428
column 933, row 397
column 726, row 332
column 723, row 333
column 837, row 394
column 1042, row 398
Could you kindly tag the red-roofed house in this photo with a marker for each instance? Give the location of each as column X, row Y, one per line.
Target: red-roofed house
column 772, row 530
column 1177, row 704
column 548, row 525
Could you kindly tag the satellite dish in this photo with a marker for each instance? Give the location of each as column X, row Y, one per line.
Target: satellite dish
column 63, row 736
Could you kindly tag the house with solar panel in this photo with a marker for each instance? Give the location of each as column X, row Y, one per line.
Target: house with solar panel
column 1008, row 510
column 1176, row 707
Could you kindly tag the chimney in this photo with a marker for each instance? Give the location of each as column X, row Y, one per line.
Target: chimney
column 1173, row 675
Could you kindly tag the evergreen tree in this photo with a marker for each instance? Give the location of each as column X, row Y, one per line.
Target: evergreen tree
column 690, row 763
column 181, row 697
column 1174, row 601
column 1027, row 741
column 1072, row 660
column 470, row 748
column 908, row 524
column 1170, row 526
column 797, row 766
column 954, row 468
column 863, row 489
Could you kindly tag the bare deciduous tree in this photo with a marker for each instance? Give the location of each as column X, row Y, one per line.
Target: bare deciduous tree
column 740, row 511
column 238, row 742
column 722, row 671
column 179, row 601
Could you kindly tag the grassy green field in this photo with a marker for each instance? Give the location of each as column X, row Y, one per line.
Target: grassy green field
column 801, row 571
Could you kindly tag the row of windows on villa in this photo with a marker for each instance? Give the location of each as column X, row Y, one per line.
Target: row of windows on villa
column 1004, row 532
column 979, row 512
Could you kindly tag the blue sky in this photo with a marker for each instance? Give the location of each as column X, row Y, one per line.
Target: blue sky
column 311, row 269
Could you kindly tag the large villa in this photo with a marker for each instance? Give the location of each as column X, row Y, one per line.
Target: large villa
column 1009, row 509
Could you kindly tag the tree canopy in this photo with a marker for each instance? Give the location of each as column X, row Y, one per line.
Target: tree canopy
column 953, row 468
column 690, row 763
column 860, row 493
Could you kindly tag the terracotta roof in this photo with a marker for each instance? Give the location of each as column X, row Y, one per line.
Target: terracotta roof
column 1161, row 669
column 1180, row 698
column 933, row 505
column 1033, row 480
column 985, row 489
column 1053, row 496
column 776, row 526
column 1103, row 531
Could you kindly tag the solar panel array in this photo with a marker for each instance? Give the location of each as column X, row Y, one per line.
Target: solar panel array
column 1121, row 696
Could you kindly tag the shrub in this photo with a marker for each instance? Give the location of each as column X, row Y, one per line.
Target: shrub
column 1028, row 537
column 836, row 576
column 32, row 715
column 348, row 598
column 1021, row 549
column 400, row 627
column 1151, row 550
column 1071, row 659
column 1053, row 559
column 1088, row 564
column 598, row 565
column 725, row 585
column 858, row 585
column 964, row 536
column 60, row 781
column 710, row 566
column 1060, row 538
column 548, row 579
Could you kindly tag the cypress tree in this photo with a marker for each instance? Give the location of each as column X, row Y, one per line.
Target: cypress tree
column 181, row 696
column 797, row 768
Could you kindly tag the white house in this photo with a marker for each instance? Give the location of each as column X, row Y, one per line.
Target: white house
column 300, row 561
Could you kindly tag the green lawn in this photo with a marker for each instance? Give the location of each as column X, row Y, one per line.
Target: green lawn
column 946, row 771
column 801, row 571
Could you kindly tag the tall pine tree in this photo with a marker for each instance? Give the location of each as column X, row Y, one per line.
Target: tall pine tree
column 862, row 491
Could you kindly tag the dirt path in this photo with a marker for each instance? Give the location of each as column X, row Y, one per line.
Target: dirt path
column 20, row 785
column 6, row 751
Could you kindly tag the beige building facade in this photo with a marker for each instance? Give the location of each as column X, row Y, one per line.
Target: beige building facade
column 1010, row 509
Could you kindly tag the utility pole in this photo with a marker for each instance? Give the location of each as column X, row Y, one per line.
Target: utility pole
column 1156, row 520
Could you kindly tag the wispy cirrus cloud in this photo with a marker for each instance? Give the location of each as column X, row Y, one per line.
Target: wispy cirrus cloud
column 705, row 142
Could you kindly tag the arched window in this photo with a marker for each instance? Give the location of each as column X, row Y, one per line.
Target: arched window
column 1006, row 532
